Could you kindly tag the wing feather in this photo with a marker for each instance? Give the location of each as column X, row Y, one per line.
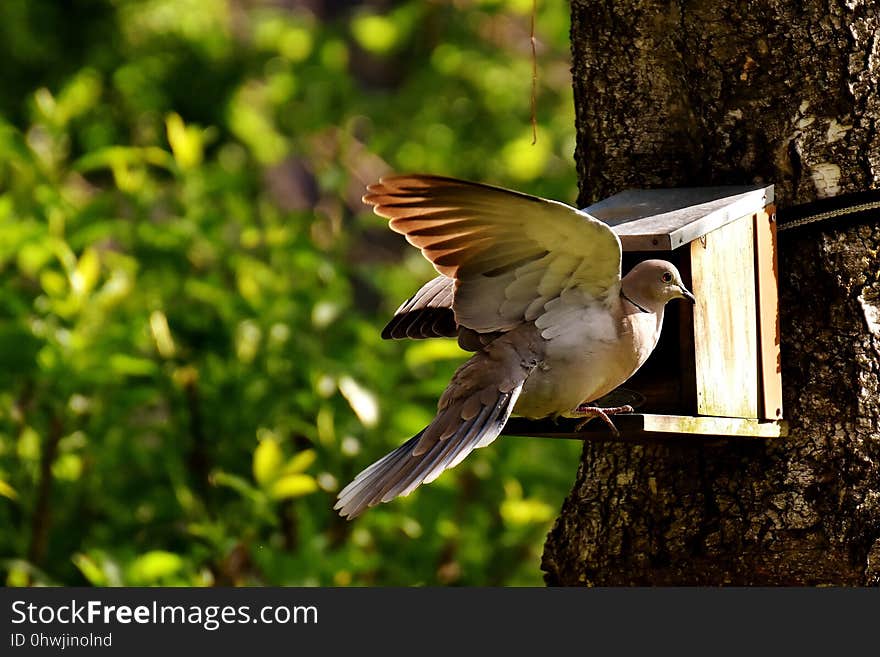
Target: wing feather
column 426, row 314
column 509, row 253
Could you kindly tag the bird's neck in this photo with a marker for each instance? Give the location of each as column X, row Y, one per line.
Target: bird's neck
column 644, row 312
column 639, row 302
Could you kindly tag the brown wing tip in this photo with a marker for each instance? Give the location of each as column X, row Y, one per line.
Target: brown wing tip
column 380, row 192
column 394, row 187
column 405, row 182
column 398, row 196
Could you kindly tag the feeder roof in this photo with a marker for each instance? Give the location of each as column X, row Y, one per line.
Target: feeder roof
column 665, row 219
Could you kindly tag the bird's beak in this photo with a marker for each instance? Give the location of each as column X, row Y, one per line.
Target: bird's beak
column 686, row 294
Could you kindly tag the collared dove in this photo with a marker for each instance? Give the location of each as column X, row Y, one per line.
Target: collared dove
column 534, row 288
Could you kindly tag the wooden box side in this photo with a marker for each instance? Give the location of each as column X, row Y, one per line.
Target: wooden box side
column 767, row 283
column 725, row 329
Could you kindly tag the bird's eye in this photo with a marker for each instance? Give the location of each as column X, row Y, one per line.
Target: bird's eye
column 667, row 277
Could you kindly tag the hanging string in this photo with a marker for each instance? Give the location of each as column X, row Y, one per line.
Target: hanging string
column 534, row 77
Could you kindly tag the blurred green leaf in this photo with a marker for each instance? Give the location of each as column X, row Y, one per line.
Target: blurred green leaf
column 78, row 96
column 32, row 256
column 293, row 485
column 236, row 483
column 88, row 268
column 67, row 467
column 300, row 463
column 267, row 461
column 132, row 365
column 185, row 141
column 89, row 569
column 7, row 491
column 375, row 33
column 524, row 512
column 153, row 566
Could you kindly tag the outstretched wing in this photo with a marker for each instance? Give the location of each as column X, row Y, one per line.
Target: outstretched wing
column 472, row 412
column 510, row 254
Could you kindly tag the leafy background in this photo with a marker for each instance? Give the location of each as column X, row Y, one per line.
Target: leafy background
column 192, row 291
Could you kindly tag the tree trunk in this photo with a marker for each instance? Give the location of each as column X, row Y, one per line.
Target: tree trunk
column 734, row 92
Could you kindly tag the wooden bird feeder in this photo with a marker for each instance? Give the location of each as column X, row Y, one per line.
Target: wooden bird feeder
column 716, row 370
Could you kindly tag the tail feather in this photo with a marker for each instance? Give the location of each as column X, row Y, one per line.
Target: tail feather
column 359, row 494
column 482, row 429
column 402, row 471
column 437, row 459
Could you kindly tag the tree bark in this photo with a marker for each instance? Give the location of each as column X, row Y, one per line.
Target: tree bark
column 733, row 92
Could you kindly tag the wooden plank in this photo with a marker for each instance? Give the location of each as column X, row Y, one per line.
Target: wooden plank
column 714, row 426
column 725, row 330
column 664, row 219
column 687, row 357
column 635, row 426
column 767, row 272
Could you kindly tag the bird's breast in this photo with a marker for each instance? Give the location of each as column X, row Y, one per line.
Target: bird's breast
column 582, row 364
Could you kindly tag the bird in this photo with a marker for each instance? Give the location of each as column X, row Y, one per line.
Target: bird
column 533, row 288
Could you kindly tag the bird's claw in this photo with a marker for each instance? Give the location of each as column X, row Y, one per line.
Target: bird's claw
column 595, row 411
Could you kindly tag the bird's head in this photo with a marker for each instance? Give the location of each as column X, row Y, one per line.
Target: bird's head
column 654, row 282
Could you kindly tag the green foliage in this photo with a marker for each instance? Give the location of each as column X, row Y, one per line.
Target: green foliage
column 192, row 291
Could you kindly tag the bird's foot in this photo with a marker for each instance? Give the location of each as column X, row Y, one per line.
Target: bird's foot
column 590, row 412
